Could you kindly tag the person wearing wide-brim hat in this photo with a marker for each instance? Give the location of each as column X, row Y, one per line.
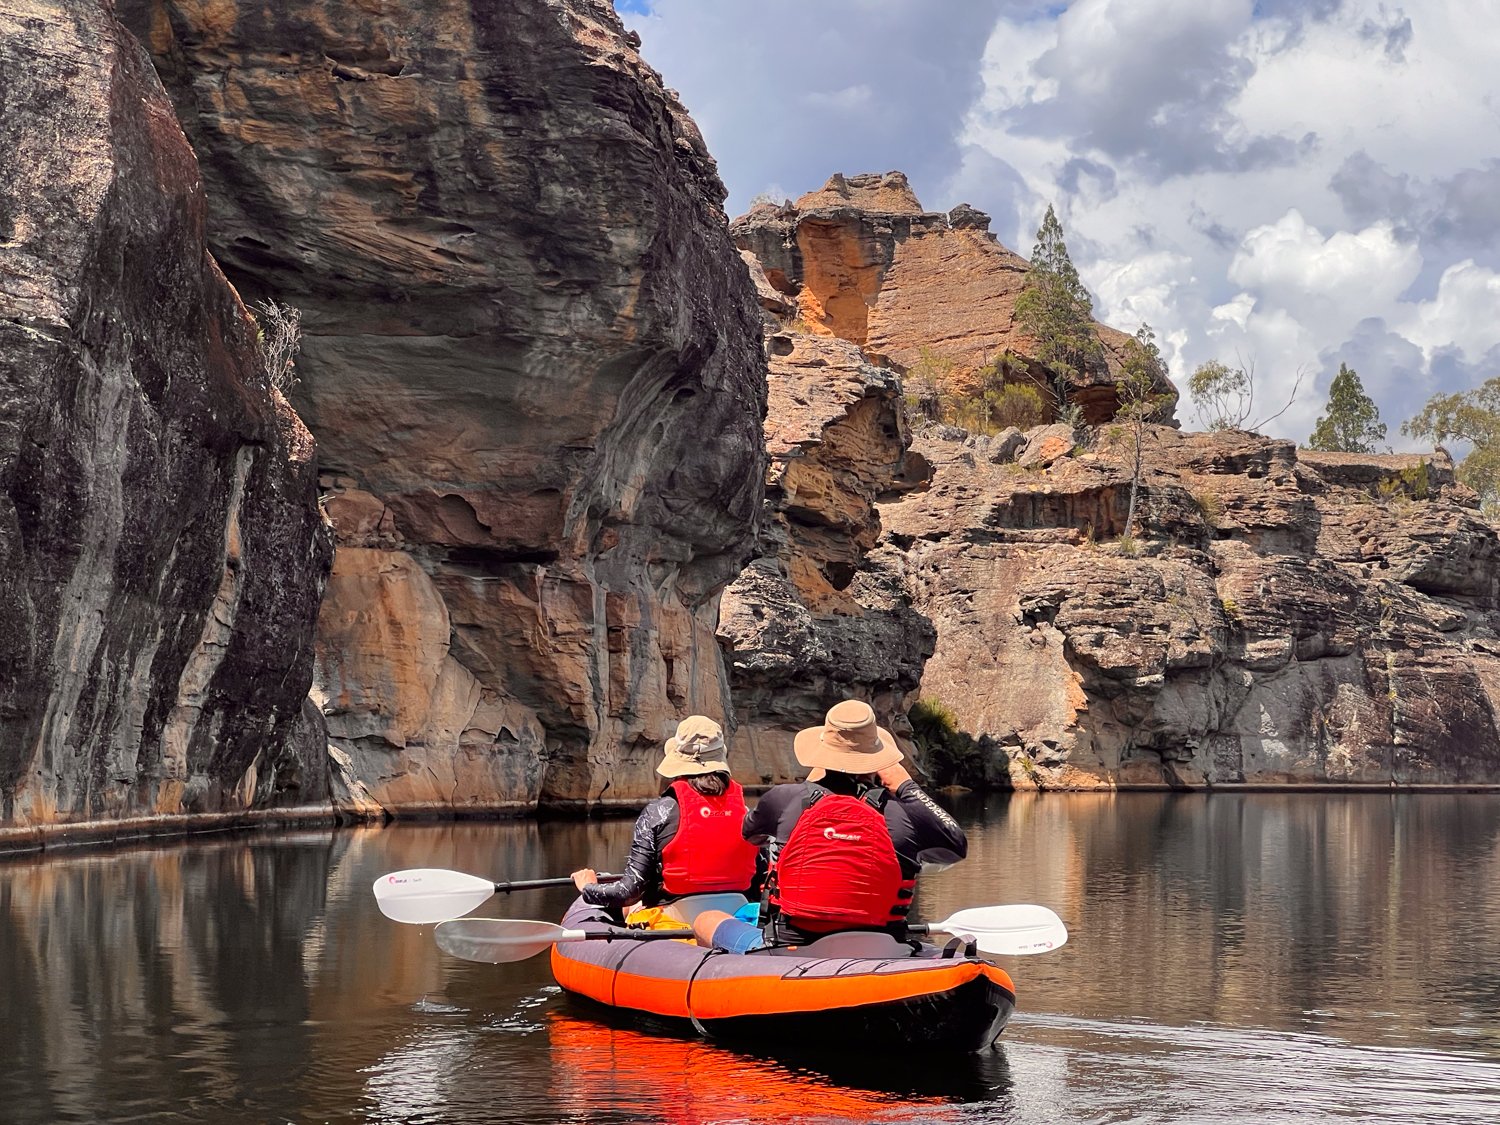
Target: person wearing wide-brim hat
column 695, row 750
column 855, row 759
column 849, row 742
column 672, row 854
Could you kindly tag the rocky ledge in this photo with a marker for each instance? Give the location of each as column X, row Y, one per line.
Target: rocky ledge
column 810, row 621
column 1279, row 617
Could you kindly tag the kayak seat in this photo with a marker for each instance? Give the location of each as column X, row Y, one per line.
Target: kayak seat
column 848, row 943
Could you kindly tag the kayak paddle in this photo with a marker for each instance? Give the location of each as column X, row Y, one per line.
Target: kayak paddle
column 424, row 895
column 496, row 941
column 1003, row 929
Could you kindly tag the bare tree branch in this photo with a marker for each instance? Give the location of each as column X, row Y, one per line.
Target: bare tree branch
column 280, row 330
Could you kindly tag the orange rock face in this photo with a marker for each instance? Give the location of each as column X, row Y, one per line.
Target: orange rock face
column 533, row 360
column 864, row 262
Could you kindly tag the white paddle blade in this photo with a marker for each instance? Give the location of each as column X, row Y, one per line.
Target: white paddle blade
column 421, row 896
column 497, row 941
column 1008, row 929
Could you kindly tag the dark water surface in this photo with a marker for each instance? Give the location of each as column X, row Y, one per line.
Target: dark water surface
column 1234, row 958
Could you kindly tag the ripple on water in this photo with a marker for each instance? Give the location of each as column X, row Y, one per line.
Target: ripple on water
column 1214, row 1073
column 428, row 1007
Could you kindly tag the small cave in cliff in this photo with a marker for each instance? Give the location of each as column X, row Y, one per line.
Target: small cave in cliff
column 487, row 562
column 839, row 574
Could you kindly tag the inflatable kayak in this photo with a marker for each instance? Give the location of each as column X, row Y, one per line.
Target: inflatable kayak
column 850, row 991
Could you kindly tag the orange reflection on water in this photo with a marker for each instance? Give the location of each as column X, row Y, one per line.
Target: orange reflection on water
column 691, row 1082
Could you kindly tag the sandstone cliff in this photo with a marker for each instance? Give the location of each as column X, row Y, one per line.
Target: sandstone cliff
column 809, row 622
column 160, row 543
column 532, row 362
column 863, row 261
column 1281, row 616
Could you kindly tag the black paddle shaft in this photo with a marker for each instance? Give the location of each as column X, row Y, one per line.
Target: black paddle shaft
column 637, row 935
column 924, row 929
column 537, row 884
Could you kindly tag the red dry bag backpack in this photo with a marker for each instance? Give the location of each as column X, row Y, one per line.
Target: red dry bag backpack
column 839, row 869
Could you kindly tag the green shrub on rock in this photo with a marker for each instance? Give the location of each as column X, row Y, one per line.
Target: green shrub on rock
column 952, row 756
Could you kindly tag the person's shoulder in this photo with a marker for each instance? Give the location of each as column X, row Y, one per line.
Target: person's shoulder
column 787, row 787
column 660, row 808
column 786, row 791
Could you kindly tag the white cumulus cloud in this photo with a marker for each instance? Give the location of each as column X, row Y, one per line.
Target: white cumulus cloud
column 1339, row 279
column 1463, row 314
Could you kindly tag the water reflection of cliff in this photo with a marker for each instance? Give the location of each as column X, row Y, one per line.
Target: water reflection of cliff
column 163, row 978
column 1279, row 910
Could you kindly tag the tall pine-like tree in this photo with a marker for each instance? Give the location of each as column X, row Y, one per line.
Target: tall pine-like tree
column 1352, row 423
column 1056, row 310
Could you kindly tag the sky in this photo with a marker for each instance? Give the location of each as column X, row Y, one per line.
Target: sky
column 1276, row 184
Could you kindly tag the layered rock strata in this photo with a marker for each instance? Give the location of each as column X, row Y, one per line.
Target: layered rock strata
column 809, row 623
column 863, row 261
column 1279, row 617
column 532, row 361
column 159, row 535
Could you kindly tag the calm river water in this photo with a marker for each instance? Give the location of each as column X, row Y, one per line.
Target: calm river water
column 1233, row 958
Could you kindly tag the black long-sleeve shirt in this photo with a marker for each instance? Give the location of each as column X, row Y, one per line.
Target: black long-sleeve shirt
column 921, row 829
column 641, row 881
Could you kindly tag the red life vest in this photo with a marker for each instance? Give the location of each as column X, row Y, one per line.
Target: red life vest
column 839, row 869
column 708, row 853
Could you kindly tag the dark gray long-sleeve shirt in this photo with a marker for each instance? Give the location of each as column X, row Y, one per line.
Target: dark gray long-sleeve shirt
column 641, row 881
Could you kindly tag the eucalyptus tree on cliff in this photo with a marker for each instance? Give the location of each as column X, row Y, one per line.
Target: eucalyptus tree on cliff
column 1141, row 373
column 1224, row 397
column 1352, row 422
column 1056, row 309
column 1472, row 416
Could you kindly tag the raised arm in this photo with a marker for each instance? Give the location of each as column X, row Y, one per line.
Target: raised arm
column 931, row 837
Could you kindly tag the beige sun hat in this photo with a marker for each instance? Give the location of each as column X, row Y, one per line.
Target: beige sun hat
column 848, row 741
column 697, row 748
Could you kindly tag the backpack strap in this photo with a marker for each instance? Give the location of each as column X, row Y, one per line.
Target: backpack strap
column 876, row 797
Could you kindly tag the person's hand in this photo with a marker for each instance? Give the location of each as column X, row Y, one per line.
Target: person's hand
column 584, row 876
column 894, row 776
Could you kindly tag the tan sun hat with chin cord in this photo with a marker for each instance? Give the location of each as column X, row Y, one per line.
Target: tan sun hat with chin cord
column 849, row 741
column 697, row 748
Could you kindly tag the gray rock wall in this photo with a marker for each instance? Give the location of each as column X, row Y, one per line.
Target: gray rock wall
column 1280, row 617
column 160, row 546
